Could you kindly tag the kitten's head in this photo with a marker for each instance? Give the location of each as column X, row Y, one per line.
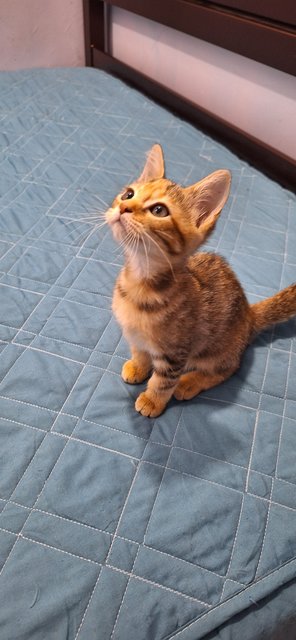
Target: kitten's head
column 159, row 221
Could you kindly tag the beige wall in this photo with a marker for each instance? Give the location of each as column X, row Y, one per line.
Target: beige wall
column 41, row 33
column 252, row 96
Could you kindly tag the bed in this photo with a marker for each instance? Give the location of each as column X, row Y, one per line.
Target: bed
column 114, row 526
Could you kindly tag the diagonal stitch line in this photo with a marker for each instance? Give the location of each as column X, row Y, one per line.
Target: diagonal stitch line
column 256, row 422
column 187, row 562
column 284, row 412
column 106, row 426
column 257, row 393
column 242, row 219
column 206, row 455
column 224, row 587
column 63, row 518
column 73, row 344
column 161, row 481
column 277, row 461
column 72, row 288
column 265, row 532
column 26, row 249
column 30, row 347
column 32, row 243
column 49, row 546
column 29, row 316
column 282, row 424
column 22, row 424
column 102, row 335
column 11, row 286
column 73, row 244
column 123, row 596
column 10, row 368
column 95, row 446
column 161, row 586
column 99, row 261
column 165, row 468
column 116, row 354
column 83, row 304
column 30, row 404
column 123, row 509
column 86, row 240
column 234, row 543
column 213, row 482
column 88, row 605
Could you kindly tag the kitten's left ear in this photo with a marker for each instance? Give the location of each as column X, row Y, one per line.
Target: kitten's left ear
column 154, row 167
column 207, row 198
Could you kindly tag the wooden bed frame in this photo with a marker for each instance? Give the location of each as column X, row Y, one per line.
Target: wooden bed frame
column 263, row 31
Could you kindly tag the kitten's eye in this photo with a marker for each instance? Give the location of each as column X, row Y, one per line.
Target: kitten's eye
column 160, row 210
column 128, row 194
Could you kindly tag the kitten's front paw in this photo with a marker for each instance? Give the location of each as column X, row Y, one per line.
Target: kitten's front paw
column 133, row 373
column 149, row 407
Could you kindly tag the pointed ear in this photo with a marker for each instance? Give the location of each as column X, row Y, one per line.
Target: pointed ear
column 154, row 167
column 207, row 198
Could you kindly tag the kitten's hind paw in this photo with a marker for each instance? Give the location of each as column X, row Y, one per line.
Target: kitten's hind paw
column 188, row 386
column 149, row 407
column 133, row 373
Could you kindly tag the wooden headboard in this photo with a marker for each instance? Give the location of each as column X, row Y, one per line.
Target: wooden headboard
column 263, row 31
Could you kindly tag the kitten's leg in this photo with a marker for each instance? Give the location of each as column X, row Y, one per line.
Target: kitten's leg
column 192, row 383
column 138, row 368
column 160, row 389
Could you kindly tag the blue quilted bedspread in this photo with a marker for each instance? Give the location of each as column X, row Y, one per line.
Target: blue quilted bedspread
column 114, row 526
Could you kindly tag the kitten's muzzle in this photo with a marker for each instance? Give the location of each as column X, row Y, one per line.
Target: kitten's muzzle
column 123, row 208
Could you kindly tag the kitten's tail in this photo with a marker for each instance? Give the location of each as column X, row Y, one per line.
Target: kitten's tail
column 278, row 308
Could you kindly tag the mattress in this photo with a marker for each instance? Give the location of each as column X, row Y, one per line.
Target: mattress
column 114, row 526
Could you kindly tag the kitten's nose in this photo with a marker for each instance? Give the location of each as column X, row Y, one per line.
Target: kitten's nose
column 123, row 207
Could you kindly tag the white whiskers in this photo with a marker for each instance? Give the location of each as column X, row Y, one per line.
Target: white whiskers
column 142, row 234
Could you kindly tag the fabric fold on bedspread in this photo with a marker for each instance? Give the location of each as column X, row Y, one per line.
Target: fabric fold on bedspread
column 114, row 526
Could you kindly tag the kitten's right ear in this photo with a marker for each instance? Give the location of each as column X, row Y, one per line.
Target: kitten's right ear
column 154, row 167
column 206, row 198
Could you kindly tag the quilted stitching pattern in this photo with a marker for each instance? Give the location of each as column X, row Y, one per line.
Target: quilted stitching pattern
column 114, row 526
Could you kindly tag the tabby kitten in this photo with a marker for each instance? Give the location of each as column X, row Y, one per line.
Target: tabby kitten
column 186, row 317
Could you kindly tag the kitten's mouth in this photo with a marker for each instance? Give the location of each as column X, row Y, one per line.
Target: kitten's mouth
column 118, row 217
column 119, row 227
